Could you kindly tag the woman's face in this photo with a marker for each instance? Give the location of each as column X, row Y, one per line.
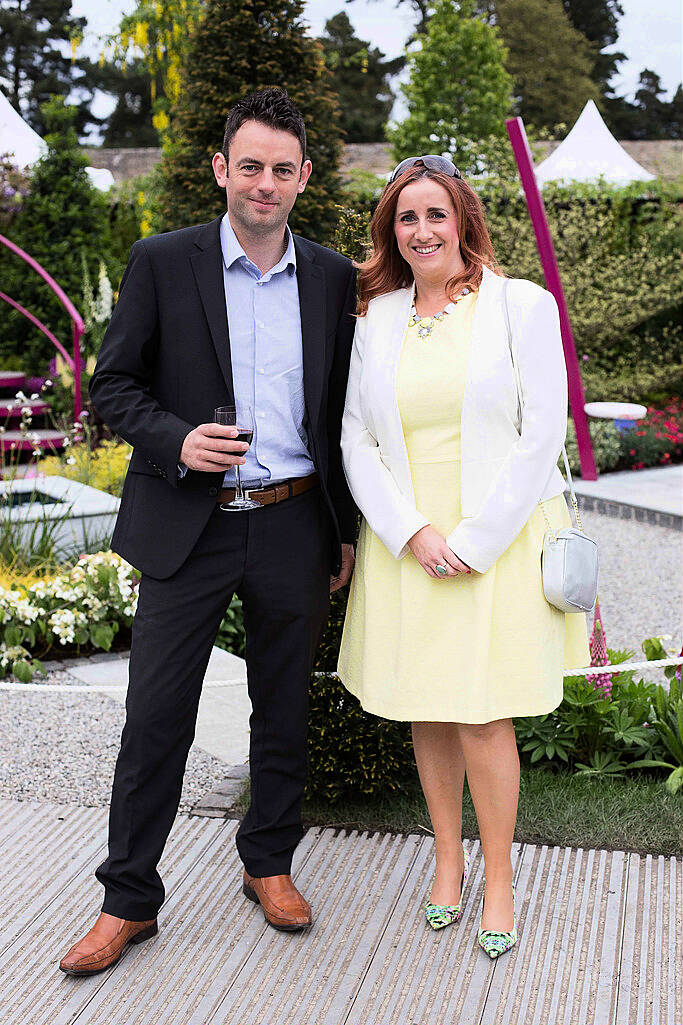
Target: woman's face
column 426, row 230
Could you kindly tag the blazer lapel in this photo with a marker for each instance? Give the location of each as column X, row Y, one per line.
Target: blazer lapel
column 311, row 282
column 207, row 266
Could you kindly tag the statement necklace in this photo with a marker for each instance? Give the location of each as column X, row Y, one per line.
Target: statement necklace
column 427, row 323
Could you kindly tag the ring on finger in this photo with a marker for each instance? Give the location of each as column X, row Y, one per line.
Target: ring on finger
column 441, row 570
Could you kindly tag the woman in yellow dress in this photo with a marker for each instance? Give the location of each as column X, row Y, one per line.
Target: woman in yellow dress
column 447, row 624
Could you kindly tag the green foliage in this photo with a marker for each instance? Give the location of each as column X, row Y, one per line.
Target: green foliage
column 14, row 187
column 86, row 606
column 34, row 63
column 459, row 92
column 130, row 85
column 126, row 203
column 362, row 188
column 550, row 69
column 350, row 752
column 635, row 728
column 606, row 442
column 360, row 79
column 150, row 44
column 231, row 631
column 352, row 237
column 617, row 250
column 63, row 218
column 240, row 46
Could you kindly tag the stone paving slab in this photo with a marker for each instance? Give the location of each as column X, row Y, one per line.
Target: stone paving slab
column 656, row 488
column 601, row 935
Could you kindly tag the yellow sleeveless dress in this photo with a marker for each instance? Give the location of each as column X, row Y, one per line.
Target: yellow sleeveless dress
column 470, row 648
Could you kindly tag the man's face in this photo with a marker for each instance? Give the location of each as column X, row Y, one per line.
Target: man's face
column 263, row 177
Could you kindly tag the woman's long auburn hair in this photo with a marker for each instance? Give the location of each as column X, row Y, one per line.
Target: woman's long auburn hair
column 386, row 270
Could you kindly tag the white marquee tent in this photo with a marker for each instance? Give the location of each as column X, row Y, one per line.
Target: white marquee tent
column 590, row 151
column 26, row 146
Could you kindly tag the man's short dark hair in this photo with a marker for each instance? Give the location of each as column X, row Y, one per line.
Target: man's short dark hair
column 271, row 107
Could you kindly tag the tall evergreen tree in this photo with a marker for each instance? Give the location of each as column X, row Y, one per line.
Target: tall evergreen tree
column 652, row 118
column 551, row 70
column 240, row 46
column 674, row 121
column 459, row 92
column 33, row 66
column 360, row 79
column 130, row 122
column 598, row 21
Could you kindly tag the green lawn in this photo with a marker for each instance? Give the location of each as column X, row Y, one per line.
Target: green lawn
column 554, row 809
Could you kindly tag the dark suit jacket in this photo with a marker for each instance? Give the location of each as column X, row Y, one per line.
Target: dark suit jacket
column 164, row 366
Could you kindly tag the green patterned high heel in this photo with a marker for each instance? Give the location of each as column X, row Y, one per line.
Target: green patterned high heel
column 495, row 943
column 441, row 915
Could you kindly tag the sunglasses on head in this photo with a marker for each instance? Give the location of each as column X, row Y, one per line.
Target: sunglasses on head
column 431, row 161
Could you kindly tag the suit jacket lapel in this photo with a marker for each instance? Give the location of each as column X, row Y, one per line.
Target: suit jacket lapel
column 207, row 266
column 312, row 305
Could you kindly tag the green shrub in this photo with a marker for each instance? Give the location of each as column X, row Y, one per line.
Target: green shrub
column 606, row 442
column 617, row 251
column 350, row 751
column 63, row 218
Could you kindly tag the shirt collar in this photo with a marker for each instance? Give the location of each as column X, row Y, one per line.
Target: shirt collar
column 233, row 250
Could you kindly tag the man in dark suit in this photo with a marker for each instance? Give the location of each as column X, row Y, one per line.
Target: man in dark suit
column 237, row 310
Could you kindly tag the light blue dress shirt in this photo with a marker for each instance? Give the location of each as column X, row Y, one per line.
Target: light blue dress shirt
column 264, row 324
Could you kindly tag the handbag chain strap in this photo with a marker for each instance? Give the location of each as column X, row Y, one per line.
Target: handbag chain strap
column 520, row 407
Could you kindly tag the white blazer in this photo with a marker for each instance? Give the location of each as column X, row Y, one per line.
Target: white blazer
column 507, row 467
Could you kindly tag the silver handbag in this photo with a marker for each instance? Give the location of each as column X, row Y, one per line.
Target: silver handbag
column 569, row 560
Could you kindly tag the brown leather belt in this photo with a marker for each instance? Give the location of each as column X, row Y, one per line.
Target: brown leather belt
column 276, row 493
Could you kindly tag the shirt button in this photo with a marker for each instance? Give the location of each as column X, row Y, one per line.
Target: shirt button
column 261, row 370
column 213, row 492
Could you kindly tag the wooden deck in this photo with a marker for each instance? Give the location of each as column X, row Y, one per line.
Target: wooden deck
column 601, row 935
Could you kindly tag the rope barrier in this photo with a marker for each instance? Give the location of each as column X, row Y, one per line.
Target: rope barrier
column 104, row 688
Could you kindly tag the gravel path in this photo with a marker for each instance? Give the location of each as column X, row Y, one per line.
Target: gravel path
column 62, row 747
column 640, row 583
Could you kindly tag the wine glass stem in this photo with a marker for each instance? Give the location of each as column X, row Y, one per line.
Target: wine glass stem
column 239, row 493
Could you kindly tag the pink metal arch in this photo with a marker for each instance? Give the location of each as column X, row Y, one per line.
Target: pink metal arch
column 78, row 325
column 544, row 242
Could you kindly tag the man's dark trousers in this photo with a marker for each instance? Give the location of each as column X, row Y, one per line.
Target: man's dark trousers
column 163, row 367
column 276, row 559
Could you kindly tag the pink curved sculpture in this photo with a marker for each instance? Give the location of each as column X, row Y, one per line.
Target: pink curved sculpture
column 78, row 325
column 546, row 251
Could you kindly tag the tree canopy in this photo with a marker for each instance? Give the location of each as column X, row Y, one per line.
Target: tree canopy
column 33, row 65
column 459, row 92
column 360, row 78
column 237, row 47
column 551, row 70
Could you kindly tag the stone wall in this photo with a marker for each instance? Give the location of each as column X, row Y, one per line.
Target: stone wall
column 660, row 158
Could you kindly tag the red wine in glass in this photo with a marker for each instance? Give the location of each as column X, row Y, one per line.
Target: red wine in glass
column 242, row 417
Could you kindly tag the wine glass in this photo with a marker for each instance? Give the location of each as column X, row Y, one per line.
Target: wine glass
column 241, row 417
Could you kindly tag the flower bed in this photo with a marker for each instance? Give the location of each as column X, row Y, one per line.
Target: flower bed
column 656, row 440
column 83, row 607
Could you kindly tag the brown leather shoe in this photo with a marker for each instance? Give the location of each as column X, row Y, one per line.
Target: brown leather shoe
column 104, row 944
column 282, row 904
